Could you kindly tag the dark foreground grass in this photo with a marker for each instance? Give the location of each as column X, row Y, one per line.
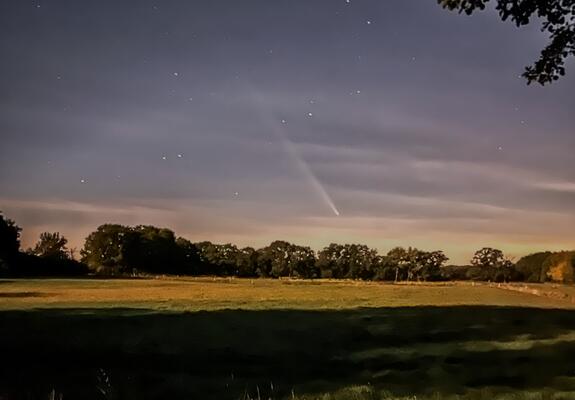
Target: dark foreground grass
column 232, row 354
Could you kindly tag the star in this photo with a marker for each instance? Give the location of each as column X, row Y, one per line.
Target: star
column 164, row 158
column 368, row 22
column 82, row 181
column 236, row 193
column 180, row 156
column 284, row 121
column 358, row 92
column 500, row 148
column 176, row 74
column 309, row 114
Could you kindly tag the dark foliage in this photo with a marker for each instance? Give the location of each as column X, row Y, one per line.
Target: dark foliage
column 188, row 256
column 105, row 248
column 532, row 267
column 151, row 249
column 558, row 19
column 281, row 258
column 455, row 272
column 118, row 250
column 348, row 261
column 223, row 260
column 490, row 264
column 9, row 240
column 52, row 246
column 48, row 258
column 28, row 265
column 121, row 250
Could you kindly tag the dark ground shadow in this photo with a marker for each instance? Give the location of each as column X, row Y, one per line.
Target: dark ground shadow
column 131, row 354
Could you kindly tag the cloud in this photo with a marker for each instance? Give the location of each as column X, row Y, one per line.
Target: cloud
column 557, row 186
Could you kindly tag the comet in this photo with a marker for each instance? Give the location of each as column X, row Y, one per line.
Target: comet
column 277, row 127
column 306, row 171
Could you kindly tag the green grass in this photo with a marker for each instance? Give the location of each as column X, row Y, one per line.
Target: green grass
column 186, row 339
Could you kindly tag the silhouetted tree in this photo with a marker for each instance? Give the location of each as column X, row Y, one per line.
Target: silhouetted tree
column 488, row 257
column 412, row 264
column 246, row 262
column 329, row 261
column 104, row 249
column 218, row 259
column 151, row 249
column 558, row 19
column 189, row 258
column 493, row 265
column 428, row 266
column 281, row 258
column 348, row 261
column 403, row 261
column 9, row 240
column 384, row 269
column 49, row 257
column 205, row 255
column 51, row 245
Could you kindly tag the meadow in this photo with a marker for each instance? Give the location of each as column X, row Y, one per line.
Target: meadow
column 283, row 339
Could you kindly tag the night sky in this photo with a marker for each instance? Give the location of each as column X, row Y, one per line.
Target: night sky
column 250, row 121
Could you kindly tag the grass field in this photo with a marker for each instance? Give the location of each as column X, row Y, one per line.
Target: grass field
column 261, row 339
column 203, row 294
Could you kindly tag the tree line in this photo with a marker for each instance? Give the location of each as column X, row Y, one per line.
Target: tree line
column 119, row 250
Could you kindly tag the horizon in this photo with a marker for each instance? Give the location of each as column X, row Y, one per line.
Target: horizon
column 27, row 242
column 382, row 124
